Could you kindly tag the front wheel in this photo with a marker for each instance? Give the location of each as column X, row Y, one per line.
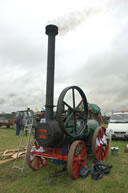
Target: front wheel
column 34, row 160
column 76, row 158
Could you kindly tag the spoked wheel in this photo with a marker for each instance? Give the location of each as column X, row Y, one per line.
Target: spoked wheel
column 72, row 111
column 100, row 144
column 76, row 158
column 35, row 161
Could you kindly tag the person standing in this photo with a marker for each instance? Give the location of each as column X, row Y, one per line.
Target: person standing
column 17, row 121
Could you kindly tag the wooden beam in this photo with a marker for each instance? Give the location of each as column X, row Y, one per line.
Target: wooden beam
column 6, row 160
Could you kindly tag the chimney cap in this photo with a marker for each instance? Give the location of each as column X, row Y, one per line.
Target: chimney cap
column 51, row 29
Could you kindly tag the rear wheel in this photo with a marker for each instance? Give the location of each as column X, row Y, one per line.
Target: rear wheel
column 76, row 158
column 100, row 144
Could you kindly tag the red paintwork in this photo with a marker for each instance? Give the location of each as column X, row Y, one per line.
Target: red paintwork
column 53, row 153
column 43, row 130
column 42, row 133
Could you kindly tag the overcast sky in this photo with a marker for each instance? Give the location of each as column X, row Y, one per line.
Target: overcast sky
column 91, row 51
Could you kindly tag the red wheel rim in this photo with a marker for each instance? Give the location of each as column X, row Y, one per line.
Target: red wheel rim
column 100, row 144
column 34, row 161
column 76, row 158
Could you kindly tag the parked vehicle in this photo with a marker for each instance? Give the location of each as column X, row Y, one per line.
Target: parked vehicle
column 106, row 119
column 118, row 125
column 6, row 119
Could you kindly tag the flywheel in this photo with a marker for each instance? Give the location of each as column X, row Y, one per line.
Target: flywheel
column 72, row 111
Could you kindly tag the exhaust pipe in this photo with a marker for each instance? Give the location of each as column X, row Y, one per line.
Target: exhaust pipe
column 51, row 31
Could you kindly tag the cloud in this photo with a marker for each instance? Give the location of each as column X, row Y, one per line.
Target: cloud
column 17, row 49
column 105, row 76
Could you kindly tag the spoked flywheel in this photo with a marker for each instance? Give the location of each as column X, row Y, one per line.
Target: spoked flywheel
column 100, row 144
column 33, row 159
column 72, row 111
column 76, row 158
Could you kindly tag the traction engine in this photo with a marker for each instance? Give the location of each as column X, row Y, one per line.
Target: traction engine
column 69, row 133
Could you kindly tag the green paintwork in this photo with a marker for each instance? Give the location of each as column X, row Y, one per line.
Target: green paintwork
column 92, row 125
column 95, row 109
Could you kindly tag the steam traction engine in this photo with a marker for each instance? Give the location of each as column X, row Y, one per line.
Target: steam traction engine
column 67, row 134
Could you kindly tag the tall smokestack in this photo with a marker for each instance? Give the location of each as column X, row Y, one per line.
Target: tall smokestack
column 51, row 31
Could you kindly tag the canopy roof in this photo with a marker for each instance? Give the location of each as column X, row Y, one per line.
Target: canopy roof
column 93, row 108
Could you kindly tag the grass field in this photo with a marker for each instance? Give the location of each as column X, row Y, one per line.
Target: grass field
column 42, row 181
